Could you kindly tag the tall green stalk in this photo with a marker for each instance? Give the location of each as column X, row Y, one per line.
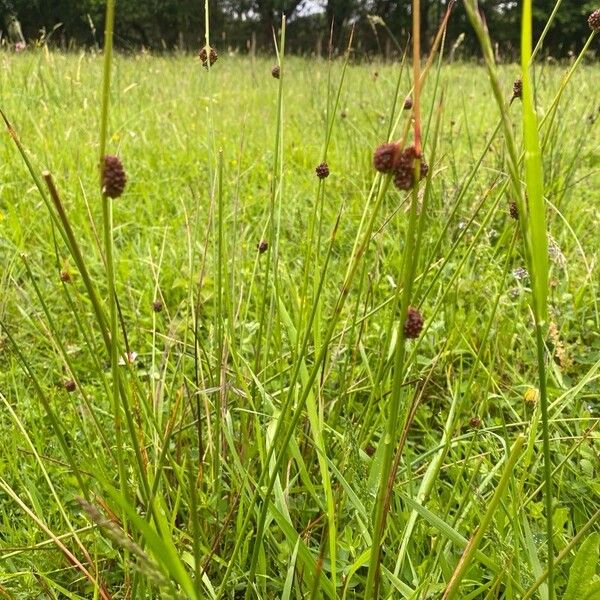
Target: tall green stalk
column 107, row 223
column 409, row 261
column 538, row 261
column 532, row 220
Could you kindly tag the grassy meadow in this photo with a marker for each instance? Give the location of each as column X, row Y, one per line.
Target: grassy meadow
column 238, row 447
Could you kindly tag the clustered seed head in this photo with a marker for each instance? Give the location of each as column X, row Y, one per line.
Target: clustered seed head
column 384, row 157
column 113, row 177
column 517, row 89
column 322, row 170
column 513, row 209
column 404, row 172
column 408, row 103
column 208, row 57
column 413, row 324
column 594, row 20
column 65, row 277
column 262, row 246
column 276, row 71
column 157, row 306
column 70, row 385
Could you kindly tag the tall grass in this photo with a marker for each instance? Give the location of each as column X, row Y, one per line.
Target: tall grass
column 190, row 415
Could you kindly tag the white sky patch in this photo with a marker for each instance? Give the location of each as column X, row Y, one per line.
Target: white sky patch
column 311, row 7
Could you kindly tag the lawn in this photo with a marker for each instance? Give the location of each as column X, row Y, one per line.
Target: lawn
column 237, row 447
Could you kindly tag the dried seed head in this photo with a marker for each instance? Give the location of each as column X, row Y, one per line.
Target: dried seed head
column 262, row 246
column 408, row 103
column 517, row 89
column 157, row 306
column 384, row 157
column 113, row 177
column 322, row 170
column 65, row 277
column 208, row 57
column 413, row 324
column 70, row 385
column 594, row 20
column 276, row 71
column 513, row 209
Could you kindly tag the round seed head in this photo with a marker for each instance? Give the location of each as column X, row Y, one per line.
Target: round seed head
column 513, row 209
column 157, row 306
column 276, row 71
column 113, row 177
column 413, row 324
column 322, row 170
column 65, row 277
column 594, row 20
column 385, row 156
column 208, row 57
column 408, row 103
column 262, row 246
column 69, row 385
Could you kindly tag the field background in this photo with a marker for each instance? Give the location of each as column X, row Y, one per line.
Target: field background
column 168, row 121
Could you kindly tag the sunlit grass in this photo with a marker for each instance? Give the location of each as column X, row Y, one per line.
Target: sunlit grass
column 210, row 175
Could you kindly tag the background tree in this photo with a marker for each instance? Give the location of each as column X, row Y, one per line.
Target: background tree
column 168, row 24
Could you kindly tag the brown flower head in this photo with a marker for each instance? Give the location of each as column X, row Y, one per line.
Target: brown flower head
column 384, row 157
column 276, row 71
column 413, row 324
column 157, row 306
column 475, row 422
column 208, row 57
column 262, row 246
column 408, row 103
column 70, row 385
column 404, row 169
column 322, row 170
column 517, row 89
column 113, row 177
column 594, row 20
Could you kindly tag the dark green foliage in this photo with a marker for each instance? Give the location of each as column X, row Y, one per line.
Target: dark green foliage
column 172, row 24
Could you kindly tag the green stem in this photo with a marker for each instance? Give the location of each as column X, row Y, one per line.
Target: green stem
column 546, row 450
column 107, row 222
column 473, row 545
column 409, row 262
column 358, row 252
column 391, row 433
column 108, row 51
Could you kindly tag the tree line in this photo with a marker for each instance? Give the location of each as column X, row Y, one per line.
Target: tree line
column 381, row 26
